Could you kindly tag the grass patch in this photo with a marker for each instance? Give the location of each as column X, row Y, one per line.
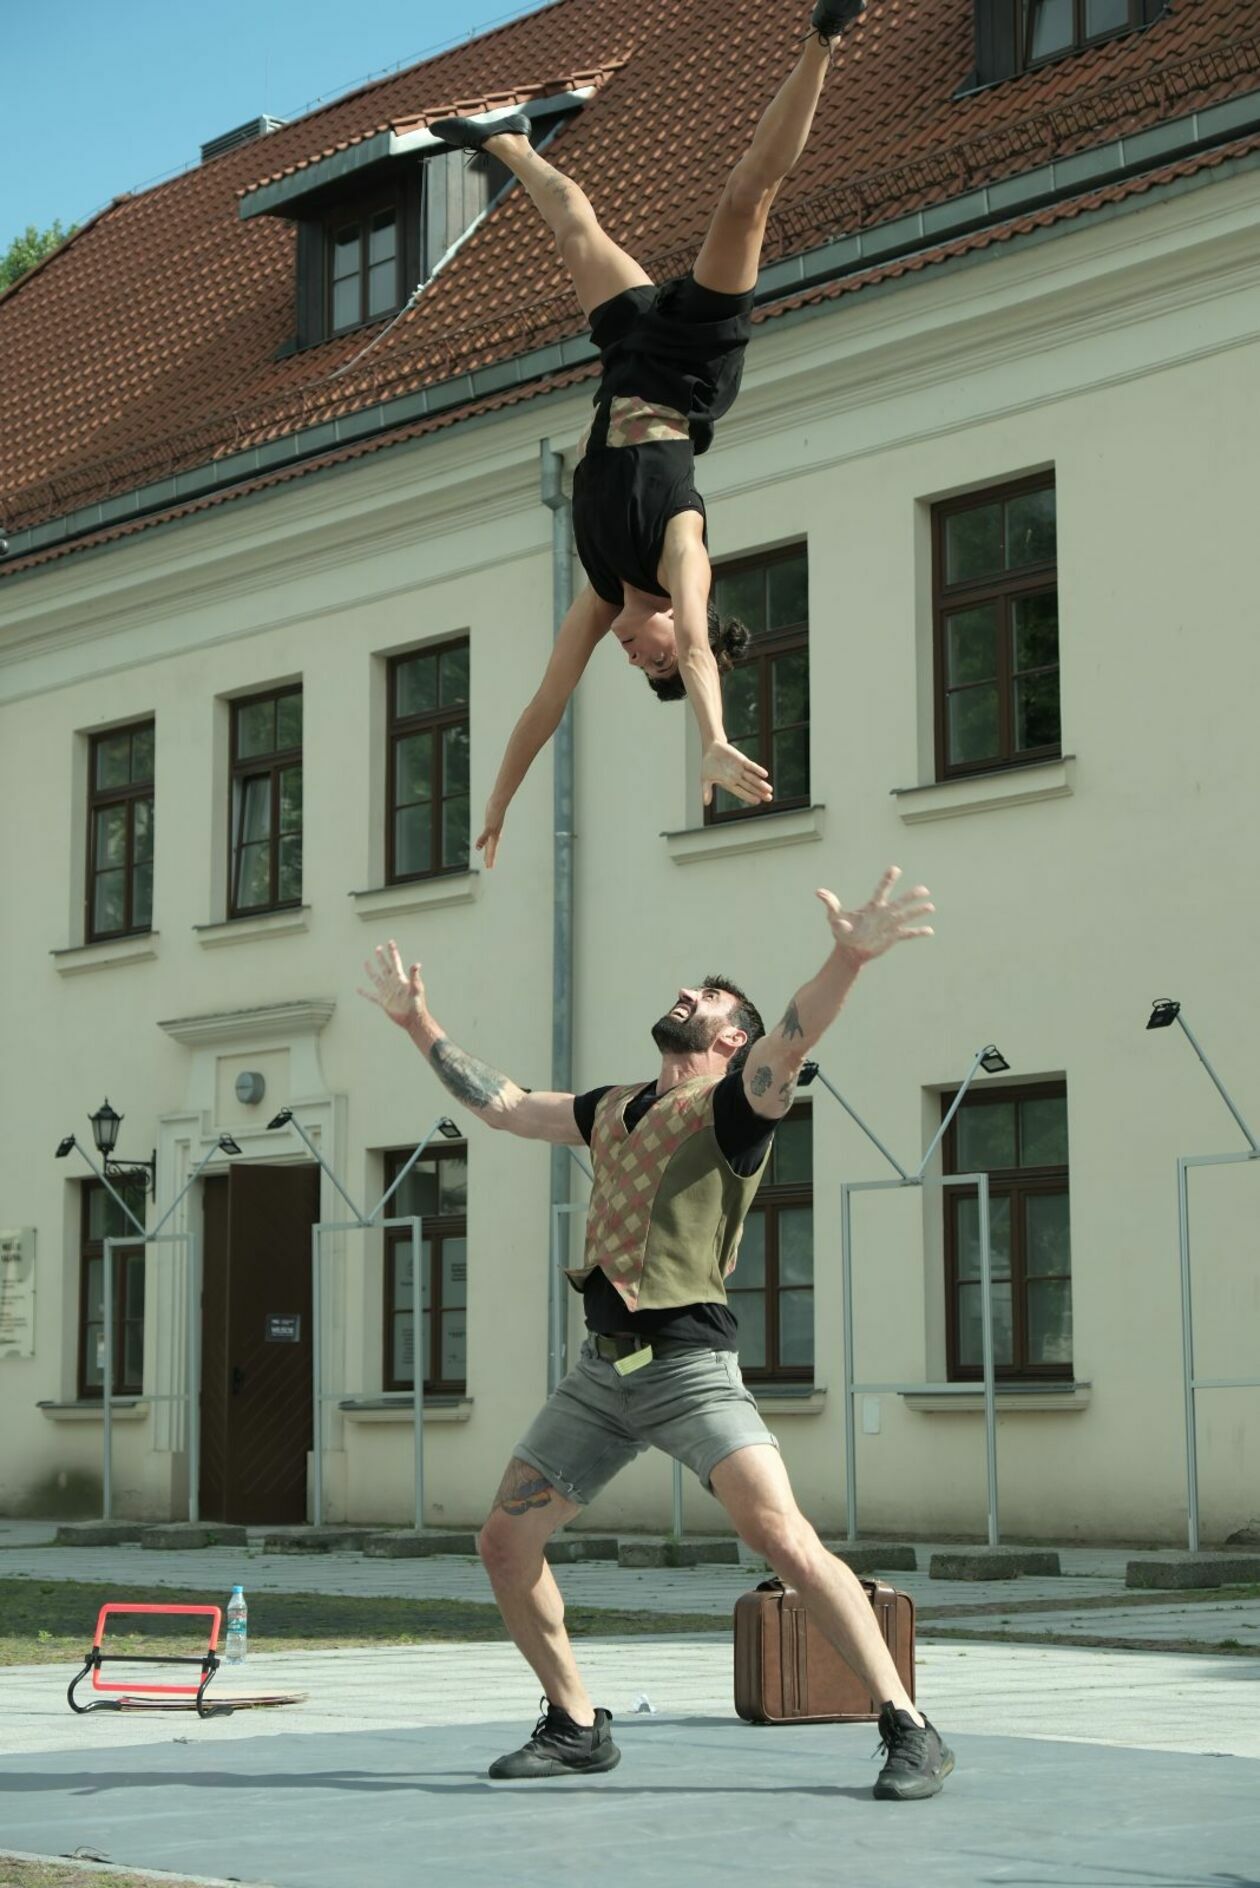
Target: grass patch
column 59, row 1874
column 51, row 1622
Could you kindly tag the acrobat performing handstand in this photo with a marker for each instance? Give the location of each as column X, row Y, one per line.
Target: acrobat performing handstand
column 671, row 360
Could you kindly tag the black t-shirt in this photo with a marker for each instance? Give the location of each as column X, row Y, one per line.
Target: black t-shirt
column 744, row 1137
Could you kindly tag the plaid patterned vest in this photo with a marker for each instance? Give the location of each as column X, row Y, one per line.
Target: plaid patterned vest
column 666, row 1211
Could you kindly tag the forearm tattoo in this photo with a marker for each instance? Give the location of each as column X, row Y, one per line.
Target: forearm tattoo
column 787, row 1093
column 791, row 1024
column 474, row 1083
column 760, row 1079
column 522, row 1489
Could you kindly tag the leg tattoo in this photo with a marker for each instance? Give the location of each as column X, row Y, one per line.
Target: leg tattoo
column 522, row 1489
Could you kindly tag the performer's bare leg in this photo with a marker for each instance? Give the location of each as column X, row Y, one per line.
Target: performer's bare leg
column 731, row 252
column 527, row 1511
column 598, row 267
column 753, row 1487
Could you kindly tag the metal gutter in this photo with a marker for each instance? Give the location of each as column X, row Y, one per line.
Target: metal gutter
column 899, row 239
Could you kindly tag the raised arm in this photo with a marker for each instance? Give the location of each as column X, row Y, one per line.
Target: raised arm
column 689, row 575
column 494, row 1098
column 774, row 1062
column 588, row 618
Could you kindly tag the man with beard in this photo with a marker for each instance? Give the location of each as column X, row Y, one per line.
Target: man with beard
column 676, row 1164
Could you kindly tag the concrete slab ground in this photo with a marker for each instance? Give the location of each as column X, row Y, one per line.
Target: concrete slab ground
column 1134, row 1770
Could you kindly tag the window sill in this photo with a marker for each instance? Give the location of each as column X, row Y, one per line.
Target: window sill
column 784, row 1399
column 401, row 1409
column 766, row 831
column 1021, row 1400
column 421, row 894
column 978, row 793
column 245, row 930
column 114, row 950
column 126, row 1410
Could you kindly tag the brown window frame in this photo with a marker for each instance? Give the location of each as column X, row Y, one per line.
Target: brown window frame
column 436, row 1229
column 361, row 216
column 1010, row 586
column 771, row 1200
column 1016, row 1184
column 100, row 800
column 257, row 767
column 1081, row 40
column 435, row 721
column 765, row 647
column 92, row 1251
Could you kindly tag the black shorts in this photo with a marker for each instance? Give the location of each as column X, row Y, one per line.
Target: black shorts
column 681, row 346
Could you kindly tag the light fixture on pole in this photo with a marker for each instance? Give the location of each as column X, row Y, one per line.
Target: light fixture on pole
column 993, row 1062
column 1166, row 1011
column 105, row 1125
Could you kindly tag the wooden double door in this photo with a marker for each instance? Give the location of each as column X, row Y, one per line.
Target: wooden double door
column 256, row 1425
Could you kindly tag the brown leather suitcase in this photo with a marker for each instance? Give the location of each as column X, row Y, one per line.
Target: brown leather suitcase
column 787, row 1673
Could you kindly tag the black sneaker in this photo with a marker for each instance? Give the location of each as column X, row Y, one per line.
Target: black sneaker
column 830, row 17
column 469, row 134
column 917, row 1763
column 561, row 1748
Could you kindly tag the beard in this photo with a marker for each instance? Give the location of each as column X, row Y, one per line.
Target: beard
column 675, row 1035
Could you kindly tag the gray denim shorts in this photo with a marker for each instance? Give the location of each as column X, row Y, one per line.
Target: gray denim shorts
column 688, row 1401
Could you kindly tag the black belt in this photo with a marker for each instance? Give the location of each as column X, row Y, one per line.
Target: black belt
column 611, row 1345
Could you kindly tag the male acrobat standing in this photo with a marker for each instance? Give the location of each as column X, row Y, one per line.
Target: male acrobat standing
column 676, row 1164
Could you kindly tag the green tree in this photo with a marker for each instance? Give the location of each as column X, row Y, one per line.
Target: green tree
column 29, row 248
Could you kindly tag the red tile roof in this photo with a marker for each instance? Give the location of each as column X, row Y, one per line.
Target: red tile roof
column 147, row 345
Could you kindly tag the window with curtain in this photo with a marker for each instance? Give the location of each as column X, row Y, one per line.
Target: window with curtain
column 266, row 814
column 437, row 1190
column 103, row 1219
column 1019, row 1138
column 120, row 832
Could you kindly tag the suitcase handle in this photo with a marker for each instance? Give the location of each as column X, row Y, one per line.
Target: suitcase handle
column 775, row 1585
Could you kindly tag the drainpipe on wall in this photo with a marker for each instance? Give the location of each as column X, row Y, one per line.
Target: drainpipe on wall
column 553, row 496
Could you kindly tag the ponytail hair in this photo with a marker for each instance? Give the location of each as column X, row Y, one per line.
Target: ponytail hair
column 729, row 640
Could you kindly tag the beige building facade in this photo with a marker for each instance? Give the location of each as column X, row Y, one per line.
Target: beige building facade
column 1115, row 360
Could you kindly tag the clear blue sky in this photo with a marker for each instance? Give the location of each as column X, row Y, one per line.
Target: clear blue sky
column 102, row 96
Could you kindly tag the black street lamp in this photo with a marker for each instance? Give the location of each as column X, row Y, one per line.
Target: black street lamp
column 105, row 1125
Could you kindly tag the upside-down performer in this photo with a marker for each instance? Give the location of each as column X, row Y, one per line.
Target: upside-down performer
column 671, row 360
column 676, row 1162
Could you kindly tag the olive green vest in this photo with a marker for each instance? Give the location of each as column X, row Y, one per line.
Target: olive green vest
column 666, row 1211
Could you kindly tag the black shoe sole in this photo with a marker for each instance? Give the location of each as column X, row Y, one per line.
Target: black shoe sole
column 920, row 1787
column 473, row 137
column 552, row 1767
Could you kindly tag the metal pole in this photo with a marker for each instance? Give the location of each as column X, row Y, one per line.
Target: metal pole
column 415, row 1155
column 986, row 1333
column 954, row 1106
column 315, row 1154
column 1221, row 1089
column 194, row 1376
column 107, row 1383
column 846, row 1290
column 869, row 1132
column 317, row 1373
column 1187, row 1353
column 678, row 1500
column 417, row 1367
column 551, row 473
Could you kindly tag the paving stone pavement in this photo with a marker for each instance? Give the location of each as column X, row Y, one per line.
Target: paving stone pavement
column 1088, row 1572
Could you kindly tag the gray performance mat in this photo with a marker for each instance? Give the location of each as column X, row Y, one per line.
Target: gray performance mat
column 695, row 1800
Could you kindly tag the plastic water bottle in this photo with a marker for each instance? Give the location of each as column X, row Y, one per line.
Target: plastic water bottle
column 237, row 1627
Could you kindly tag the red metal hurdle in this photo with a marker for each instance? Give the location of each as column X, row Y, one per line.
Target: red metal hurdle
column 192, row 1696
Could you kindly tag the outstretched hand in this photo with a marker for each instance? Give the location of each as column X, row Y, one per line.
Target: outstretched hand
column 399, row 992
column 491, row 833
column 881, row 923
column 725, row 766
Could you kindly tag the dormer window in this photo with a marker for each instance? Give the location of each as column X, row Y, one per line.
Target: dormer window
column 1014, row 36
column 377, row 217
column 1059, row 26
column 364, row 274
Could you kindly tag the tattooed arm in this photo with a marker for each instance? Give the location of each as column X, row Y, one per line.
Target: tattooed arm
column 774, row 1062
column 494, row 1098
